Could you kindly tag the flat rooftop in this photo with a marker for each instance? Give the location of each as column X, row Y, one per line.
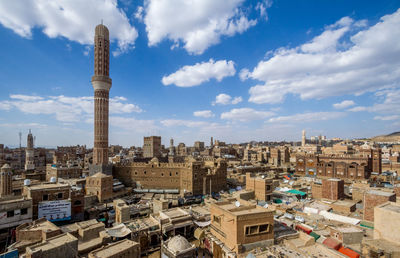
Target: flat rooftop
column 244, row 208
column 345, row 203
column 141, row 224
column 391, row 207
column 54, row 242
column 381, row 193
column 13, row 199
column 76, row 226
column 43, row 225
column 115, row 248
column 47, row 186
column 173, row 213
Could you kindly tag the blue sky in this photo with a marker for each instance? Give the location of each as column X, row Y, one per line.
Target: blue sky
column 233, row 69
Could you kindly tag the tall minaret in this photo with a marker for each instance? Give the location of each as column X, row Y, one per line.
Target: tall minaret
column 171, row 147
column 29, row 153
column 303, row 138
column 5, row 181
column 101, row 83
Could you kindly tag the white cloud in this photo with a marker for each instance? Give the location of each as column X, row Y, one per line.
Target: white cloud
column 65, row 109
column 203, row 113
column 23, row 125
column 25, row 97
column 189, row 76
column 358, row 109
column 262, row 7
column 139, row 13
column 246, row 114
column 244, row 74
column 237, row 100
column 387, row 118
column 344, row 104
column 71, row 19
column 388, row 107
column 186, row 123
column 346, row 58
column 225, row 99
column 307, row 117
column 198, row 24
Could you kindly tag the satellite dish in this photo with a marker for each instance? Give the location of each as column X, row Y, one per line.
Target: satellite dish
column 237, row 204
column 266, row 206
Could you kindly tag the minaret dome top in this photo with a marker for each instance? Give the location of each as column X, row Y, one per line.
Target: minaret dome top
column 101, row 31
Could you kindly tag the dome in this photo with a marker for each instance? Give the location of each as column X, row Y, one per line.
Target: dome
column 178, row 244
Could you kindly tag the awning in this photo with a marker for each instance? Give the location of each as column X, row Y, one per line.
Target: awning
column 202, row 224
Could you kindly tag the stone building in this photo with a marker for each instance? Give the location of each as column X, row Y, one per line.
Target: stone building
column 147, row 232
column 347, row 235
column 49, row 194
column 60, row 246
column 261, row 185
column 387, row 222
column 14, row 210
column 386, row 240
column 100, row 185
column 174, row 222
column 192, row 177
column 332, row 189
column 353, row 167
column 91, row 235
column 28, row 234
column 62, row 172
column 373, row 198
column 122, row 211
column 198, row 146
column 239, row 227
column 124, row 248
column 275, row 157
column 152, row 146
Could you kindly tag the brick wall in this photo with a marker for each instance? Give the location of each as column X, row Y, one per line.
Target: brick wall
column 371, row 199
column 332, row 189
column 316, row 191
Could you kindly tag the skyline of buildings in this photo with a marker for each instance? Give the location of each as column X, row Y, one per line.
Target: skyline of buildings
column 153, row 96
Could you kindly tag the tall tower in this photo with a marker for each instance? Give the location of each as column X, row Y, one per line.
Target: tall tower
column 303, row 138
column 101, row 84
column 5, row 181
column 29, row 153
column 171, row 147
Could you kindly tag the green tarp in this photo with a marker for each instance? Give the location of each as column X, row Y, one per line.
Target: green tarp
column 315, row 235
column 294, row 191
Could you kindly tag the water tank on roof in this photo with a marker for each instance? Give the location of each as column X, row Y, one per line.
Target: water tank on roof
column 27, row 182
